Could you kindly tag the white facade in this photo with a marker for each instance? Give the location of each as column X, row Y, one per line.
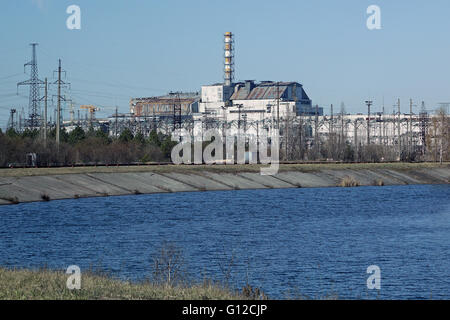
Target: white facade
column 214, row 98
column 257, row 110
column 256, row 102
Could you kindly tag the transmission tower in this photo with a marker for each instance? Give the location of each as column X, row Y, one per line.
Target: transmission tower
column 423, row 116
column 176, row 110
column 45, row 99
column 60, row 98
column 11, row 123
column 34, row 83
column 369, row 104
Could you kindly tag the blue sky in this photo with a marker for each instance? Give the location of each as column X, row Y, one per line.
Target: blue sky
column 148, row 47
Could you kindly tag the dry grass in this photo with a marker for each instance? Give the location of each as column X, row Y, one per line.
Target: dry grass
column 46, row 284
column 18, row 172
column 348, row 181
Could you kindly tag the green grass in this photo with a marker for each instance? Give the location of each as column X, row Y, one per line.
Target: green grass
column 51, row 285
column 19, row 172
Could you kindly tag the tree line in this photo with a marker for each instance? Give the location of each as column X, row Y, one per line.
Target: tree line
column 83, row 147
column 336, row 146
column 97, row 147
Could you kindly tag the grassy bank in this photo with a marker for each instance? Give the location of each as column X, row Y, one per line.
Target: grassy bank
column 191, row 169
column 46, row 284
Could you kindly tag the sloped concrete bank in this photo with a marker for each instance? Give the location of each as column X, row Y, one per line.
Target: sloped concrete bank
column 28, row 188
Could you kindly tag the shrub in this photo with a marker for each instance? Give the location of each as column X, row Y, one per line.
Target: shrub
column 168, row 264
column 348, row 181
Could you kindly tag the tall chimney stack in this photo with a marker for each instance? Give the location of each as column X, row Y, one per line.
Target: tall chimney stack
column 229, row 63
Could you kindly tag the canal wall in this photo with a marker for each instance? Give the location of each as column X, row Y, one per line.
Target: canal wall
column 16, row 189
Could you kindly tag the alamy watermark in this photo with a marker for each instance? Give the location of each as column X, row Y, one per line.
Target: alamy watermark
column 73, row 22
column 374, row 280
column 228, row 148
column 74, row 280
column 374, row 20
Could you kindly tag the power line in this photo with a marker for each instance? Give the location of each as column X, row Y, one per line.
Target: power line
column 11, row 76
column 100, row 95
column 8, row 94
column 121, row 85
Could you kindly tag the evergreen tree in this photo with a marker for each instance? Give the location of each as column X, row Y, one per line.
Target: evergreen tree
column 27, row 133
column 167, row 146
column 12, row 133
column 139, row 138
column 63, row 135
column 126, row 135
column 154, row 139
column 103, row 136
column 76, row 135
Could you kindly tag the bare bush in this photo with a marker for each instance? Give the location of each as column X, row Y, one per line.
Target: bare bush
column 348, row 181
column 252, row 293
column 169, row 265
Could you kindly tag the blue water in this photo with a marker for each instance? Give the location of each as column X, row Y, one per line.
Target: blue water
column 289, row 242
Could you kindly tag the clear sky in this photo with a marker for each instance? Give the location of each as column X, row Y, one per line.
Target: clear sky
column 148, row 47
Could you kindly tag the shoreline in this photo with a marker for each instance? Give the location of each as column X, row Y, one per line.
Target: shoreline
column 44, row 184
column 38, row 284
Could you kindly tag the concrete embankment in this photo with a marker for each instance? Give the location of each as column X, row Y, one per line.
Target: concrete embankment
column 43, row 184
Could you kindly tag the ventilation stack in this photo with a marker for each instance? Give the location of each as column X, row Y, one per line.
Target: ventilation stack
column 229, row 63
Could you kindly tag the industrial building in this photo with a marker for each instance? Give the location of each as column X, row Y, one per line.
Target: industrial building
column 257, row 101
column 163, row 106
column 229, row 102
